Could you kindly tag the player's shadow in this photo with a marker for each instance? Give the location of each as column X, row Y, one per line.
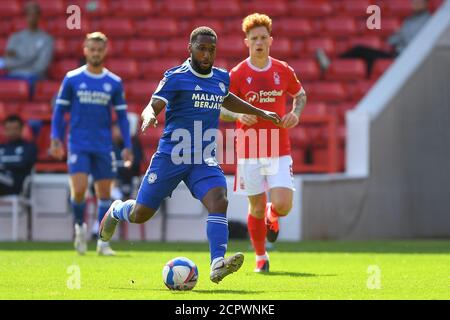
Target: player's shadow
column 295, row 274
column 218, row 291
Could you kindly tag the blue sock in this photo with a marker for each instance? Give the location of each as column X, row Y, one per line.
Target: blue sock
column 78, row 211
column 102, row 207
column 217, row 232
column 122, row 211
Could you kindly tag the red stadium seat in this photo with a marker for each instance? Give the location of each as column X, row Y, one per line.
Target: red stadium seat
column 155, row 68
column 52, row 8
column 74, row 47
column 346, row 69
column 37, row 111
column 232, row 46
column 60, row 48
column 341, row 110
column 126, row 8
column 157, row 27
column 327, row 92
column 7, row 109
column 299, row 138
column 215, row 24
column 233, row 26
column 380, row 66
column 272, row 8
column 359, row 89
column 398, row 8
column 14, row 90
column 92, row 8
column 124, row 68
column 58, row 69
column 281, row 48
column 179, row 8
column 140, row 48
column 58, row 27
column 114, row 27
column 221, row 8
column 388, row 27
column 310, row 8
column 45, row 91
column 3, row 42
column 176, row 47
column 5, row 27
column 327, row 44
column 306, row 69
column 340, row 26
column 293, row 27
column 10, row 8
column 140, row 91
column 355, row 8
column 368, row 41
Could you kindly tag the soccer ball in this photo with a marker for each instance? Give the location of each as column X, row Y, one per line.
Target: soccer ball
column 180, row 273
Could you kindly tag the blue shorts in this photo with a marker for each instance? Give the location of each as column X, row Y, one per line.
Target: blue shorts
column 163, row 176
column 101, row 165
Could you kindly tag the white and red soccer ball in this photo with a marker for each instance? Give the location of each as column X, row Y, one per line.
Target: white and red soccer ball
column 180, row 273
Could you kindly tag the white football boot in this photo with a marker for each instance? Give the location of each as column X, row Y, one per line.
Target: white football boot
column 80, row 242
column 104, row 249
column 225, row 267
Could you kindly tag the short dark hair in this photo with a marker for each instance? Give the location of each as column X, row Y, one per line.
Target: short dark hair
column 202, row 31
column 14, row 118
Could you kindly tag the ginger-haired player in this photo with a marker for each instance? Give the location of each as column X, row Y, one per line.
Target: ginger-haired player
column 264, row 82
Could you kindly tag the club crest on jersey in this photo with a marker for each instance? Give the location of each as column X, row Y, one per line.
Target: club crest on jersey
column 107, row 87
column 152, row 177
column 249, row 80
column 276, row 78
column 222, row 87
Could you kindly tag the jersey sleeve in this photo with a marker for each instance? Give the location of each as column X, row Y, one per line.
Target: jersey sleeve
column 234, row 82
column 166, row 89
column 65, row 93
column 294, row 85
column 118, row 98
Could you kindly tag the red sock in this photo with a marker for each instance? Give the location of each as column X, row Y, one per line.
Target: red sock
column 257, row 230
column 272, row 214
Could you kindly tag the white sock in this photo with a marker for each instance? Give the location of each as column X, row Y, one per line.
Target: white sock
column 263, row 257
column 215, row 260
column 101, row 243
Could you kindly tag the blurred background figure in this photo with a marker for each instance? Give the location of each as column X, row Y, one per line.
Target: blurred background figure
column 17, row 157
column 125, row 184
column 28, row 52
column 398, row 41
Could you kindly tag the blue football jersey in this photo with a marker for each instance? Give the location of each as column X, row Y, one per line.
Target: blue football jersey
column 193, row 103
column 89, row 98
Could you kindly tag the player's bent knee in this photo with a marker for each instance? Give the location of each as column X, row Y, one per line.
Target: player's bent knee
column 142, row 214
column 282, row 208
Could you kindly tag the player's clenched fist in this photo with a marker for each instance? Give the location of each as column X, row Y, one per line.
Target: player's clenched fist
column 271, row 116
column 56, row 149
column 289, row 120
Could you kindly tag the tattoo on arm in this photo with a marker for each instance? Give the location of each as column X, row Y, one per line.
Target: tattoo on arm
column 299, row 103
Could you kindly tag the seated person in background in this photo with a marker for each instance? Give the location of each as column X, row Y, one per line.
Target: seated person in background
column 28, row 52
column 399, row 40
column 17, row 157
column 123, row 185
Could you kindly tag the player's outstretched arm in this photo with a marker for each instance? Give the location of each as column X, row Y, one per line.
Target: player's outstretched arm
column 237, row 105
column 150, row 113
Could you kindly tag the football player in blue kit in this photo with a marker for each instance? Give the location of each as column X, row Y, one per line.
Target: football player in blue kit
column 192, row 94
column 88, row 94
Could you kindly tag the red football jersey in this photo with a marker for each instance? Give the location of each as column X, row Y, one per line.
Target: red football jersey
column 265, row 89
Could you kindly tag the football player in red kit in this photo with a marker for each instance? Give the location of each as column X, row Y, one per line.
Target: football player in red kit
column 263, row 148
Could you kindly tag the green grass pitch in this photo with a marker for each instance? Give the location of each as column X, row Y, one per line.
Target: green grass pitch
column 304, row 270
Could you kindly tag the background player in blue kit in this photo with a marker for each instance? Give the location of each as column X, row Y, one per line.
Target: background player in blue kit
column 193, row 94
column 88, row 93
